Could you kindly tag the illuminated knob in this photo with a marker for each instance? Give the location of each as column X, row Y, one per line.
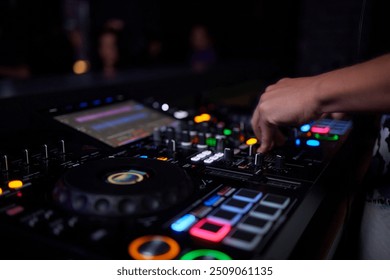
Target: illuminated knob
column 228, row 155
column 154, row 247
column 15, row 184
column 251, row 142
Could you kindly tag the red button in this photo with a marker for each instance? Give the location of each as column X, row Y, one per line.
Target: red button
column 210, row 230
column 320, row 129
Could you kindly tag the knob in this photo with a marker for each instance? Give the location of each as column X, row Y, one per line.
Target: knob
column 228, row 155
column 170, row 133
column 259, row 157
column 201, row 141
column 279, row 162
column 185, row 138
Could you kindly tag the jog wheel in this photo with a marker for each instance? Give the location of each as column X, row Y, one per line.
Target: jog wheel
column 122, row 187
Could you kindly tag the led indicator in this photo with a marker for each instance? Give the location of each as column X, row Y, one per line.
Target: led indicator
column 162, row 158
column 1, row 191
column 313, row 143
column 143, row 156
column 202, row 118
column 320, row 129
column 327, row 138
column 205, row 254
column 251, row 141
column 210, row 201
column 297, row 142
column 305, row 128
column 15, row 184
column 211, row 142
column 227, row 132
column 80, row 67
column 183, row 223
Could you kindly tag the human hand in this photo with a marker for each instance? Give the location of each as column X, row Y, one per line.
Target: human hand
column 288, row 102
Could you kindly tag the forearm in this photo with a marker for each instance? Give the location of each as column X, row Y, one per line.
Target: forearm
column 363, row 87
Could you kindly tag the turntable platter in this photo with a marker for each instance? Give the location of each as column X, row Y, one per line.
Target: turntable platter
column 122, row 187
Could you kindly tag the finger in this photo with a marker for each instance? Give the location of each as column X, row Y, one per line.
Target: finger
column 255, row 124
column 267, row 137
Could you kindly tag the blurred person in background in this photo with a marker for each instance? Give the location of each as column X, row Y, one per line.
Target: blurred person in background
column 203, row 54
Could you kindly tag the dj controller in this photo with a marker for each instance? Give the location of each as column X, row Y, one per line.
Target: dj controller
column 121, row 179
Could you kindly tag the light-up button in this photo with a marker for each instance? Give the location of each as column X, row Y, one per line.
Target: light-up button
column 162, row 158
column 219, row 155
column 195, row 159
column 320, row 129
column 236, row 205
column 313, row 143
column 205, row 254
column 251, row 141
column 213, row 199
column 210, row 230
column 1, row 191
column 15, row 184
column 243, row 240
column 224, row 216
column 265, row 212
column 255, row 225
column 206, row 153
column 305, row 128
column 183, row 223
column 208, row 161
column 276, row 201
column 154, row 247
column 248, row 195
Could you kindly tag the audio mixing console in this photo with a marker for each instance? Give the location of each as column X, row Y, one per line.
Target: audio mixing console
column 122, row 180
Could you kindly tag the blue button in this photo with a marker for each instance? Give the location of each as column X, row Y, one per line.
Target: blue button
column 297, row 142
column 211, row 200
column 313, row 143
column 236, row 205
column 183, row 223
column 143, row 156
column 305, row 128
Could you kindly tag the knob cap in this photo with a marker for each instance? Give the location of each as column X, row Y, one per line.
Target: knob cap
column 279, row 162
column 228, row 155
column 259, row 157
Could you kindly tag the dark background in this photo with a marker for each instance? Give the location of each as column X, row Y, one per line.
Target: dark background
column 290, row 37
